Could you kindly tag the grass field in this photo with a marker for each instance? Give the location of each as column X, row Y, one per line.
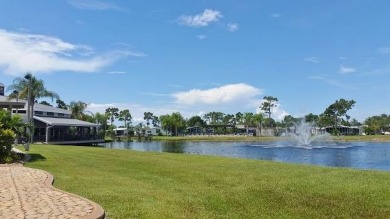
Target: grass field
column 131, row 184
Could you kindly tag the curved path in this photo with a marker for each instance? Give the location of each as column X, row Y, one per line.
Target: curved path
column 28, row 193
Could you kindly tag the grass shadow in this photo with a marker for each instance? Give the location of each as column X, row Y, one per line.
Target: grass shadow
column 36, row 157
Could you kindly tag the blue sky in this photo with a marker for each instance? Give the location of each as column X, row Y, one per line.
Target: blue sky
column 201, row 56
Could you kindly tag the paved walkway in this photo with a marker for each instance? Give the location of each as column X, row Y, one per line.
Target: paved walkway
column 28, row 193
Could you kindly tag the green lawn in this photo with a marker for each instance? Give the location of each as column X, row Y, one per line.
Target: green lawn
column 131, row 184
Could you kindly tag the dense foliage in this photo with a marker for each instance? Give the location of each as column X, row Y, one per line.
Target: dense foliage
column 9, row 125
column 377, row 124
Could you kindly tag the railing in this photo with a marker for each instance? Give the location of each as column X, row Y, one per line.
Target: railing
column 42, row 138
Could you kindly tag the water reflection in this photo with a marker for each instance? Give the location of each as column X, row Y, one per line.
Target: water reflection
column 173, row 146
column 361, row 155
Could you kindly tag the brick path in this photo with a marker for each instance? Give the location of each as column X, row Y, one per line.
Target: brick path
column 28, row 193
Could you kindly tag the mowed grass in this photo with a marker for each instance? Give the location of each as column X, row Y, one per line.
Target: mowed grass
column 131, row 184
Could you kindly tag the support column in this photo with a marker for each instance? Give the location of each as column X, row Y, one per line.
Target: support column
column 47, row 132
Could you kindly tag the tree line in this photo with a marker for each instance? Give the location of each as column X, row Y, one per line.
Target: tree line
column 334, row 115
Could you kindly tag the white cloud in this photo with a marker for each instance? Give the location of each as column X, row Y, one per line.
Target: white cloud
column 21, row 53
column 275, row 15
column 93, row 5
column 230, row 99
column 346, row 70
column 232, row 27
column 219, row 95
column 201, row 36
column 200, row 20
column 99, row 107
column 384, row 50
column 312, row 59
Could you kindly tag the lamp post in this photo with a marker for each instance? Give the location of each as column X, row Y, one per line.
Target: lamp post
column 28, row 77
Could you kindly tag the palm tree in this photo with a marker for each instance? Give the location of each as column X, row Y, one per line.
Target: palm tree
column 248, row 120
column 228, row 120
column 166, row 123
column 258, row 118
column 38, row 90
column 78, row 108
column 177, row 121
column 101, row 119
column 207, row 117
column 239, row 116
column 31, row 89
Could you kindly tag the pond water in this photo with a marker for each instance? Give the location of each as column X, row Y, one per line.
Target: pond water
column 361, row 155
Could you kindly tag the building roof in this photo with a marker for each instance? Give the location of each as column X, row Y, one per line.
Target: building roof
column 45, row 108
column 13, row 105
column 5, row 103
column 37, row 106
column 64, row 122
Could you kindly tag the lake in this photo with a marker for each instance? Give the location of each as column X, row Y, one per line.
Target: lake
column 360, row 155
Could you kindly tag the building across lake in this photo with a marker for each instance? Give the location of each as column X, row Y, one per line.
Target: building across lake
column 53, row 125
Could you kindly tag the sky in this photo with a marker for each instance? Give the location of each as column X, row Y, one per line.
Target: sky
column 196, row 57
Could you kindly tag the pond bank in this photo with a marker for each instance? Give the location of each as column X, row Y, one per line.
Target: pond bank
column 366, row 138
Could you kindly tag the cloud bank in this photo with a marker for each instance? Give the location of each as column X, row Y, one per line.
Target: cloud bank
column 219, row 95
column 23, row 53
column 230, row 99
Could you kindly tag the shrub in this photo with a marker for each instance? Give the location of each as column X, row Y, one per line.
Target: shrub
column 7, row 137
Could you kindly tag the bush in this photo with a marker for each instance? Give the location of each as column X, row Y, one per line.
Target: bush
column 7, row 137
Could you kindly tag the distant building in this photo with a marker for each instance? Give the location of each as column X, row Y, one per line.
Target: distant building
column 155, row 131
column 53, row 125
column 242, row 129
column 345, row 130
column 120, row 131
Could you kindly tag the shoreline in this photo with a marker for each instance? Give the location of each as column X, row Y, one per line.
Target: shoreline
column 366, row 138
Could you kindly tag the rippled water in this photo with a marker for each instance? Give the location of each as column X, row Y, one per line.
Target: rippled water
column 361, row 155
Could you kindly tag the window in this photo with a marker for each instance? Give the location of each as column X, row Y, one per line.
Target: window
column 61, row 115
column 49, row 113
column 20, row 111
column 38, row 113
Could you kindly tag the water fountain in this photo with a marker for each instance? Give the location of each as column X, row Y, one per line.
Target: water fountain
column 306, row 135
